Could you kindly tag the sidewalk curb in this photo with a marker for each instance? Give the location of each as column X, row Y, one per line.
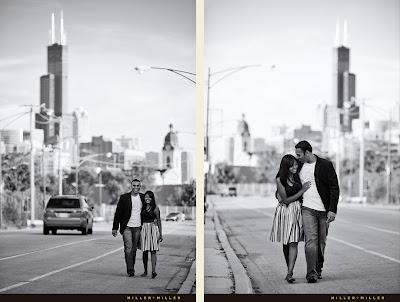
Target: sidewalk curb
column 242, row 280
column 187, row 285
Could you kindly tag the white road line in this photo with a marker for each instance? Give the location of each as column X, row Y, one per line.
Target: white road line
column 369, row 227
column 364, row 249
column 68, row 267
column 347, row 243
column 48, row 249
column 59, row 270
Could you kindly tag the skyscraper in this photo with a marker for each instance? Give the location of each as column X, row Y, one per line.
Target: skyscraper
column 53, row 85
column 344, row 81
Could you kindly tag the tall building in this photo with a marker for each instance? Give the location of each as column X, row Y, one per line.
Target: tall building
column 187, row 167
column 129, row 143
column 152, row 159
column 53, row 85
column 344, row 82
column 100, row 146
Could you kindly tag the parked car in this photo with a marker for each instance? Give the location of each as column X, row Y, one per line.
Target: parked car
column 231, row 191
column 68, row 212
column 175, row 216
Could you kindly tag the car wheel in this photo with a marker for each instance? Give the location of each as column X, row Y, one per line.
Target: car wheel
column 54, row 231
column 90, row 231
column 85, row 230
column 45, row 230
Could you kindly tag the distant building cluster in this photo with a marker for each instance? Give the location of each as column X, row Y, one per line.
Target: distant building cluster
column 62, row 138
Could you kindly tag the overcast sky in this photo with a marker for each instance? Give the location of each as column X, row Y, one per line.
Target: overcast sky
column 106, row 40
column 298, row 37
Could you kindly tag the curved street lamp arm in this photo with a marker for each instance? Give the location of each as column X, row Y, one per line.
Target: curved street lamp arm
column 182, row 75
column 233, row 70
column 173, row 70
column 228, row 75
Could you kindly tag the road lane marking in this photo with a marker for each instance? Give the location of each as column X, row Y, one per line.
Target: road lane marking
column 364, row 249
column 69, row 267
column 344, row 242
column 50, row 248
column 369, row 227
column 59, row 270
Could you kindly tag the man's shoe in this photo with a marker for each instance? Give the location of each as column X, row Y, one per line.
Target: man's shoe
column 131, row 274
column 144, row 274
column 319, row 275
column 312, row 280
column 153, row 275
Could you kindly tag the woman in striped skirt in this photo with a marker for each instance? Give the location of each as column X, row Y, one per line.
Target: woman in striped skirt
column 287, row 226
column 151, row 234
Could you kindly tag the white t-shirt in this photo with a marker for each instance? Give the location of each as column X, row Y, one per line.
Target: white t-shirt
column 135, row 220
column 311, row 198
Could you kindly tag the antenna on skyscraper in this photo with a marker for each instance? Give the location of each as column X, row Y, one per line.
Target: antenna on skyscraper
column 53, row 34
column 337, row 34
column 63, row 37
column 345, row 35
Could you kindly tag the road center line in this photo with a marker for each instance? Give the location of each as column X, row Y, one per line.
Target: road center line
column 50, row 248
column 364, row 249
column 69, row 267
column 342, row 241
column 369, row 227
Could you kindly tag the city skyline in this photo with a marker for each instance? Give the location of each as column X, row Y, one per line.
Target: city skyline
column 298, row 37
column 105, row 42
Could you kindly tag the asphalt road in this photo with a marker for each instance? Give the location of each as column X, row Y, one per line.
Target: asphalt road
column 71, row 263
column 362, row 255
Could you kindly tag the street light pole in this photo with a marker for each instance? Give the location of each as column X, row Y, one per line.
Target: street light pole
column 182, row 73
column 226, row 73
column 60, row 172
column 32, row 165
column 389, row 164
column 361, row 173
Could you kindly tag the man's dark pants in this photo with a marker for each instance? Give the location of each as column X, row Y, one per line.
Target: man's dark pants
column 131, row 237
column 315, row 232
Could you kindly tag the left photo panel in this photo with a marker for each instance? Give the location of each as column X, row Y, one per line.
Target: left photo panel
column 97, row 146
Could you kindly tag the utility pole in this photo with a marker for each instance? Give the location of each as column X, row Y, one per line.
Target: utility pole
column 60, row 174
column 389, row 164
column 1, row 188
column 32, row 165
column 207, row 133
column 361, row 172
column 44, row 174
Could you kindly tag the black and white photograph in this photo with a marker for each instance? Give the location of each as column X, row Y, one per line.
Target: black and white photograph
column 302, row 151
column 97, row 145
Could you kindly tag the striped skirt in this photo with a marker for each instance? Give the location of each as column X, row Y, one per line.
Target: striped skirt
column 288, row 225
column 149, row 237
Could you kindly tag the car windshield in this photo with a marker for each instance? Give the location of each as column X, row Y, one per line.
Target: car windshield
column 63, row 203
column 172, row 214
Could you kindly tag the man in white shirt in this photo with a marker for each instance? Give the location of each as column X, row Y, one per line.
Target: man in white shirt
column 319, row 206
column 127, row 219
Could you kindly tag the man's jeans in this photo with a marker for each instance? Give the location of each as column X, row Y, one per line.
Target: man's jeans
column 315, row 232
column 131, row 237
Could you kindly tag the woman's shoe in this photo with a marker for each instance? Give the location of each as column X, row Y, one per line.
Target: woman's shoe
column 144, row 274
column 153, row 275
column 289, row 278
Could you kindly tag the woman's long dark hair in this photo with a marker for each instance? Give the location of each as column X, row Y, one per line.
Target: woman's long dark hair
column 153, row 200
column 287, row 161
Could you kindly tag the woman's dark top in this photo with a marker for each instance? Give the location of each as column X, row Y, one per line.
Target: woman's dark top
column 148, row 215
column 293, row 189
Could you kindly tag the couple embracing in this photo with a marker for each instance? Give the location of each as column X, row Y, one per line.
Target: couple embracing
column 308, row 194
column 138, row 219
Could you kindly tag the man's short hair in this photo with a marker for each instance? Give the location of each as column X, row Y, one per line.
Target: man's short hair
column 135, row 180
column 304, row 146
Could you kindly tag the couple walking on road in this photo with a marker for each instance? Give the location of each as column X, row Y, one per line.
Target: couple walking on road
column 138, row 219
column 308, row 194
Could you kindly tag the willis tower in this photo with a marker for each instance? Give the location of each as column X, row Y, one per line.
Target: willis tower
column 53, row 85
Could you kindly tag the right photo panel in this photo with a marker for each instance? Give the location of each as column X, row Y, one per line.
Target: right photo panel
column 302, row 131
